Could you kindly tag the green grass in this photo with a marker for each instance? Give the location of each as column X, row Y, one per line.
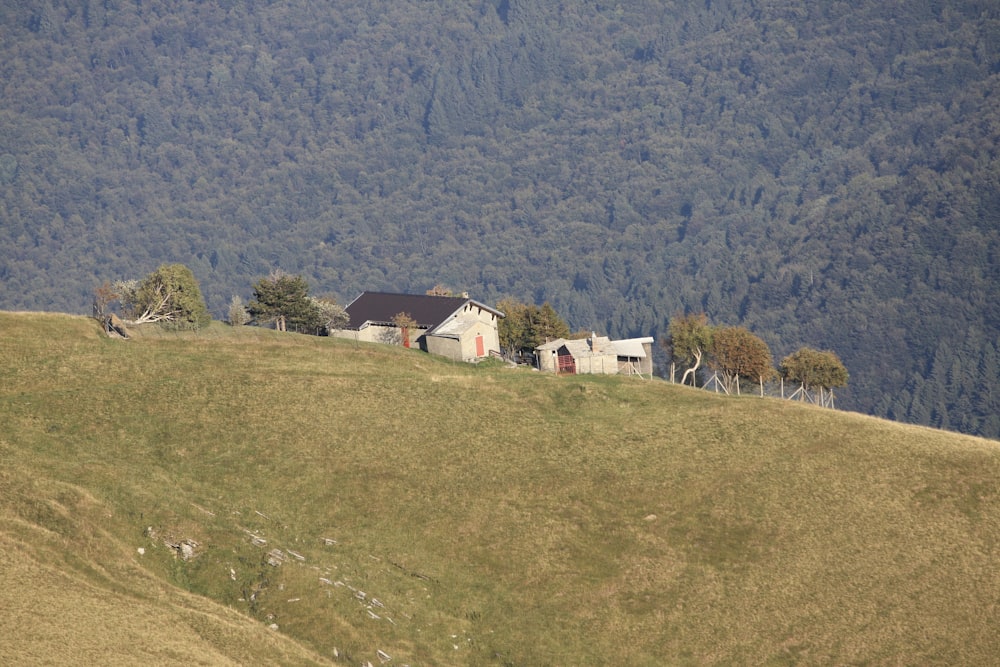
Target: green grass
column 448, row 514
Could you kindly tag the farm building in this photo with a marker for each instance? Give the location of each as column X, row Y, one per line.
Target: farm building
column 597, row 355
column 459, row 328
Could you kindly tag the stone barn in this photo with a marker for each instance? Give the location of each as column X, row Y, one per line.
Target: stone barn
column 597, row 355
column 459, row 328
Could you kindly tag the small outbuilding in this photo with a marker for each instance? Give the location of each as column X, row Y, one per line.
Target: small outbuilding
column 597, row 355
column 635, row 356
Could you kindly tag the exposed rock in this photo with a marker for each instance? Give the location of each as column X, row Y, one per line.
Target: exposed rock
column 115, row 328
column 186, row 548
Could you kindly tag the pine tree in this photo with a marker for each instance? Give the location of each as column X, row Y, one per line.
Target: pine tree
column 284, row 300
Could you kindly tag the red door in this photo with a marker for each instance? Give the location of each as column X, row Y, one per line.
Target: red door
column 480, row 347
column 567, row 364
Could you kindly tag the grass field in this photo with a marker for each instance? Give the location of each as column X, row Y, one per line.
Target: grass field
column 347, row 503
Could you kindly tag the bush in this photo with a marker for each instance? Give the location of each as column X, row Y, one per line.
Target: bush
column 238, row 315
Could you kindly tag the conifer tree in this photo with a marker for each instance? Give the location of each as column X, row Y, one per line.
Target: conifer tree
column 526, row 326
column 284, row 300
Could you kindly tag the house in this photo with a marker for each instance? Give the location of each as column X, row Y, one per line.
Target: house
column 459, row 328
column 597, row 355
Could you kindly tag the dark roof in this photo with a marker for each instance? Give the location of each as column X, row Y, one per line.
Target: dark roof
column 381, row 307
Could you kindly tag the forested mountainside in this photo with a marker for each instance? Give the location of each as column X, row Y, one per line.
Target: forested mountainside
column 824, row 173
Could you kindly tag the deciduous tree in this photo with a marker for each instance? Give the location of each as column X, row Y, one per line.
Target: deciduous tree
column 170, row 295
column 440, row 290
column 737, row 353
column 406, row 325
column 688, row 339
column 331, row 314
column 814, row 368
column 104, row 296
column 237, row 314
column 514, row 328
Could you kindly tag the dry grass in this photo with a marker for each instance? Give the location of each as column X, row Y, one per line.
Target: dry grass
column 446, row 514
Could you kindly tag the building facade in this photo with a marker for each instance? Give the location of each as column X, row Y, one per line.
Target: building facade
column 458, row 328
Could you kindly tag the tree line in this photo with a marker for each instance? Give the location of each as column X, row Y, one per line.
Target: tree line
column 734, row 353
column 171, row 297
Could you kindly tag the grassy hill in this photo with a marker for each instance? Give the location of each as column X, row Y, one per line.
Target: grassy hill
column 239, row 495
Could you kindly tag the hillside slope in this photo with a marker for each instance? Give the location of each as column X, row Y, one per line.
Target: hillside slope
column 70, row 601
column 74, row 589
column 824, row 173
column 367, row 499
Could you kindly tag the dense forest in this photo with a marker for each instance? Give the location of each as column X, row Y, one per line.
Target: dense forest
column 822, row 173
